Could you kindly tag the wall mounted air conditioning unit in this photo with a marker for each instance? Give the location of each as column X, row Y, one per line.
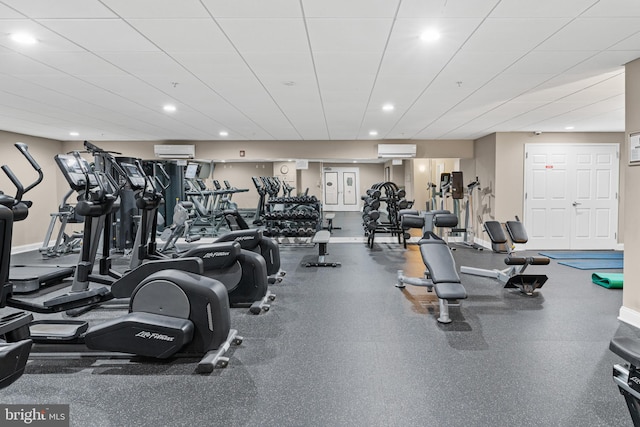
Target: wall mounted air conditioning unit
column 175, row 151
column 396, row 150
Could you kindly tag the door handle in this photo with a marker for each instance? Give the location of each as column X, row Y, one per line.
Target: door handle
column 574, row 204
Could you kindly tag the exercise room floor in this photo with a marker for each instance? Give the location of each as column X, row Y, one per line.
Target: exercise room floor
column 344, row 347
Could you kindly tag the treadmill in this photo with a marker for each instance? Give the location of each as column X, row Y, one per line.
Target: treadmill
column 31, row 277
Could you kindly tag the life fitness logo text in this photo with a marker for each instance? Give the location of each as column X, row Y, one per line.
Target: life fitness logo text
column 215, row 254
column 154, row 336
column 34, row 415
column 243, row 238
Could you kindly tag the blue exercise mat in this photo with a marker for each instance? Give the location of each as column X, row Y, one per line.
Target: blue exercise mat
column 583, row 254
column 594, row 264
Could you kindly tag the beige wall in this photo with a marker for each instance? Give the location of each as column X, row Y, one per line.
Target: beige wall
column 630, row 310
column 239, row 176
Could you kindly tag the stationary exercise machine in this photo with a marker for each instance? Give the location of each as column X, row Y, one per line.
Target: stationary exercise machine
column 172, row 313
column 64, row 242
column 243, row 272
column 440, row 275
column 513, row 276
column 627, row 376
column 33, row 277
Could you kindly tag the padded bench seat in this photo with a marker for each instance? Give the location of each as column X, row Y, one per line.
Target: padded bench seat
column 321, row 238
column 450, row 291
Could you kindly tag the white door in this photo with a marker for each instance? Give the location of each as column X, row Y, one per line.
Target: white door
column 341, row 189
column 571, row 196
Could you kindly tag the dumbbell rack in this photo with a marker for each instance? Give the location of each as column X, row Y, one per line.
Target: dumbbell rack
column 292, row 220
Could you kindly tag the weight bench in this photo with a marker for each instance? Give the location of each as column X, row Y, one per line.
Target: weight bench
column 322, row 239
column 441, row 274
column 330, row 217
column 512, row 276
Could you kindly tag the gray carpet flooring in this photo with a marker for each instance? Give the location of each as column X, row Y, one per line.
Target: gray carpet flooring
column 344, row 347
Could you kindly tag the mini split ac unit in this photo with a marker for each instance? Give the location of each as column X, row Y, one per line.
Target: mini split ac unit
column 175, row 151
column 396, row 150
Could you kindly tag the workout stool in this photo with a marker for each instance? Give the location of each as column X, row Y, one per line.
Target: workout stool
column 322, row 239
column 329, row 217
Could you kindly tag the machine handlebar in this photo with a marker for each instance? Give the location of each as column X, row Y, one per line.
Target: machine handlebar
column 20, row 189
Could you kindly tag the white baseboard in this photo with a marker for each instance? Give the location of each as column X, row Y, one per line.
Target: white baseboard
column 26, row 248
column 629, row 316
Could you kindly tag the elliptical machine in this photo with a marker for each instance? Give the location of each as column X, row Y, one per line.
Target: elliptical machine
column 172, row 313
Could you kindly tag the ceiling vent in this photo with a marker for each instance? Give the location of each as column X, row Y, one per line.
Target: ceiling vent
column 175, row 151
column 396, row 150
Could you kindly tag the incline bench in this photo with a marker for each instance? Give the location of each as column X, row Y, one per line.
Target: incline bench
column 441, row 274
column 322, row 239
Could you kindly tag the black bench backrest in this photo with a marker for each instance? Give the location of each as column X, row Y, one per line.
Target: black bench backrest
column 517, row 232
column 495, row 231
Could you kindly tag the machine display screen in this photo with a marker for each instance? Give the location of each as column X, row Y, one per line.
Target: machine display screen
column 192, row 171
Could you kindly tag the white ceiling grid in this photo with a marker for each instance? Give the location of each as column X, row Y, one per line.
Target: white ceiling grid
column 314, row 69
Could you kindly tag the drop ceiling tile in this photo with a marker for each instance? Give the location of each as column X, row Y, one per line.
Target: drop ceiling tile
column 446, row 9
column 77, row 63
column 513, row 34
column 591, row 34
column 606, row 61
column 487, row 63
column 348, row 35
column 346, row 62
column 7, row 12
column 282, row 63
column 59, row 9
column 151, row 9
column 141, row 63
column 195, row 35
column 540, row 8
column 101, row 35
column 254, row 8
column 614, row 9
column 549, row 62
column 207, row 65
column 630, row 43
column 20, row 65
column 266, row 35
column 350, row 9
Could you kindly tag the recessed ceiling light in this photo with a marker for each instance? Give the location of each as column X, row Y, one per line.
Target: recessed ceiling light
column 570, row 128
column 388, row 107
column 355, row 161
column 223, row 161
column 224, row 133
column 74, row 133
column 23, row 38
column 169, row 108
column 430, row 35
column 373, row 133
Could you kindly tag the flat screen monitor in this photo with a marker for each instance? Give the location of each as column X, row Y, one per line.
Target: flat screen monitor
column 192, row 171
